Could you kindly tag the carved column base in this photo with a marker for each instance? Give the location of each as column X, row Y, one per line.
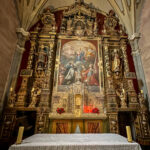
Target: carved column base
column 42, row 121
column 133, row 105
column 111, row 103
column 143, row 141
column 142, row 129
column 20, row 103
column 8, row 123
column 21, row 97
column 20, row 100
column 44, row 100
column 113, row 123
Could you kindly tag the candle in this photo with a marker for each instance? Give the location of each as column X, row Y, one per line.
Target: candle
column 11, row 89
column 129, row 136
column 20, row 135
column 142, row 91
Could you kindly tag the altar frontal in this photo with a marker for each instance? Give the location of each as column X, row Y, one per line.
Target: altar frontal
column 76, row 142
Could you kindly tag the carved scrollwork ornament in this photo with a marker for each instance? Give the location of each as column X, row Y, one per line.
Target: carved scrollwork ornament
column 48, row 21
column 110, row 24
column 125, row 58
column 107, row 61
column 31, row 55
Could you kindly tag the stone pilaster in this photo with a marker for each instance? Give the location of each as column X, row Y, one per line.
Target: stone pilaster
column 134, row 39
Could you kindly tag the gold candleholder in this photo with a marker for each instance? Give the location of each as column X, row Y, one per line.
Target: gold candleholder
column 20, row 135
column 129, row 135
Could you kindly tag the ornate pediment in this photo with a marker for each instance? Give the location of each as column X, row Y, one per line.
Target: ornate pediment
column 80, row 7
column 48, row 21
column 79, row 20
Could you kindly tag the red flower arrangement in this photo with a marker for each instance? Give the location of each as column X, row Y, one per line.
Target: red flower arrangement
column 95, row 110
column 60, row 110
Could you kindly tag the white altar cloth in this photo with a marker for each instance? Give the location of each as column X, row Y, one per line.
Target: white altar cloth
column 76, row 142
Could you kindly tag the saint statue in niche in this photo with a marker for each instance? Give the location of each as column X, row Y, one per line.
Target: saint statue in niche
column 116, row 63
column 79, row 28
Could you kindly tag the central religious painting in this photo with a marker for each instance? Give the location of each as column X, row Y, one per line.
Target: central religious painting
column 79, row 62
column 78, row 83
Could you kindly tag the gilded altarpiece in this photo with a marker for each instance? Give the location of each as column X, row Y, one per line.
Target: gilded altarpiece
column 79, row 76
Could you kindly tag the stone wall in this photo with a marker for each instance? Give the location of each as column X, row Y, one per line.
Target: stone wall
column 144, row 42
column 8, row 39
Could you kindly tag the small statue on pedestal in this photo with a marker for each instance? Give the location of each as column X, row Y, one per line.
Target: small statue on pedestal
column 123, row 98
column 116, row 64
column 95, row 28
column 142, row 102
column 34, row 94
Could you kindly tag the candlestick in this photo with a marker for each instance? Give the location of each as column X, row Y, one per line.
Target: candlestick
column 11, row 89
column 20, row 135
column 129, row 136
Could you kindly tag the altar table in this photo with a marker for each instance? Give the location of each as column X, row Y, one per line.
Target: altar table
column 76, row 142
